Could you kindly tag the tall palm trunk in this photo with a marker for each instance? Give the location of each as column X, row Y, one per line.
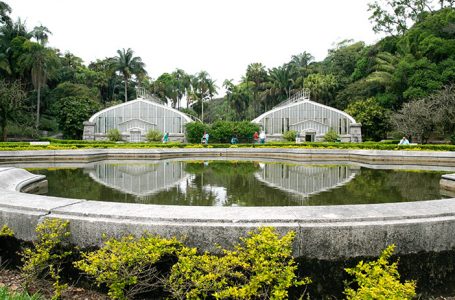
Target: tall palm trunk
column 126, row 89
column 38, row 104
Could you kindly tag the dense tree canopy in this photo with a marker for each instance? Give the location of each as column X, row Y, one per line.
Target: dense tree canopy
column 408, row 71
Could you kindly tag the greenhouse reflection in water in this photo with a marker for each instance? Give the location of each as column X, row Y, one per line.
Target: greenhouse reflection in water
column 240, row 183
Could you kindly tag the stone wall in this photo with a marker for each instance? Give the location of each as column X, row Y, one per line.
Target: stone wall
column 322, row 232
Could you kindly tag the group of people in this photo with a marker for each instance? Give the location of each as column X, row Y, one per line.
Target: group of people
column 257, row 138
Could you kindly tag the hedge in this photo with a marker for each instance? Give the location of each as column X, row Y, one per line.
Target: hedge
column 10, row 146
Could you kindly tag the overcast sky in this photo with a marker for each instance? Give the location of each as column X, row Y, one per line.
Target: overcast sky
column 219, row 36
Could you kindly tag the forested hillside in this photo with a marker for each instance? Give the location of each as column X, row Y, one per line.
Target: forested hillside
column 404, row 83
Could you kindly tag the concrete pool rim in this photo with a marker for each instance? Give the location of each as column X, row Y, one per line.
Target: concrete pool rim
column 322, row 232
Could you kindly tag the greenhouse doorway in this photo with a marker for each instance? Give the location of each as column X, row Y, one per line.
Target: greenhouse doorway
column 135, row 136
column 310, row 136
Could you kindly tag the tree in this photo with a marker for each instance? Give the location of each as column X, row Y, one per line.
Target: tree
column 322, row 87
column 5, row 10
column 395, row 16
column 238, row 97
column 73, row 111
column 443, row 104
column 41, row 62
column 300, row 68
column 41, row 34
column 181, row 84
column 11, row 103
column 279, row 87
column 373, row 117
column 203, row 89
column 128, row 64
column 415, row 119
column 257, row 74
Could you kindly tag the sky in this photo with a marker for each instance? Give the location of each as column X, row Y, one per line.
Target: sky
column 219, row 36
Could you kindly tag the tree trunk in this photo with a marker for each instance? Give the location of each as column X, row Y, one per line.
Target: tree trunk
column 202, row 118
column 4, row 133
column 38, row 104
column 126, row 89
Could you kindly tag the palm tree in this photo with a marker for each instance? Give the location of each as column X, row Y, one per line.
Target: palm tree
column 280, row 86
column 42, row 62
column 128, row 65
column 41, row 34
column 181, row 81
column 256, row 73
column 206, row 89
column 5, row 10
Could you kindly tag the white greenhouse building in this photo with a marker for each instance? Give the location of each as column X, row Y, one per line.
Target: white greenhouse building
column 310, row 119
column 135, row 118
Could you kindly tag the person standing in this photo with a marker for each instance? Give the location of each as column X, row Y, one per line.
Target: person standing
column 262, row 137
column 256, row 137
column 166, row 137
column 404, row 141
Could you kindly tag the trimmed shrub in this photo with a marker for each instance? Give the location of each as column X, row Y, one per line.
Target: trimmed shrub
column 221, row 131
column 379, row 279
column 129, row 266
column 290, row 135
column 262, row 267
column 194, row 131
column 154, row 136
column 331, row 136
column 114, row 135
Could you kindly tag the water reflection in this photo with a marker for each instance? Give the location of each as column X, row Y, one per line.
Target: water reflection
column 238, row 183
column 305, row 180
column 138, row 179
column 218, row 181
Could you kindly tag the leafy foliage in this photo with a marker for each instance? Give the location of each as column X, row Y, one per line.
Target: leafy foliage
column 12, row 98
column 194, row 131
column 373, row 117
column 73, row 111
column 331, row 136
column 6, row 295
column 114, row 135
column 128, row 266
column 154, row 135
column 290, row 135
column 48, row 254
column 6, row 231
column 379, row 280
column 261, row 267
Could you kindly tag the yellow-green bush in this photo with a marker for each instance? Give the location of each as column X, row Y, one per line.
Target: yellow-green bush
column 48, row 253
column 6, row 231
column 379, row 279
column 261, row 267
column 129, row 266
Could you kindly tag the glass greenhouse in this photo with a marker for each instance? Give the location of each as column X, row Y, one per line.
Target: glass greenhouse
column 310, row 119
column 135, row 118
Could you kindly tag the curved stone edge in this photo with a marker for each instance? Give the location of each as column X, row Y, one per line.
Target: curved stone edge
column 323, row 232
column 448, row 182
column 394, row 156
column 16, row 179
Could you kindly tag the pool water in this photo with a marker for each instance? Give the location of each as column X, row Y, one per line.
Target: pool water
column 240, row 183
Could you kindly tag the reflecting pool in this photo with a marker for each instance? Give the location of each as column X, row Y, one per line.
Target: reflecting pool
column 241, row 182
